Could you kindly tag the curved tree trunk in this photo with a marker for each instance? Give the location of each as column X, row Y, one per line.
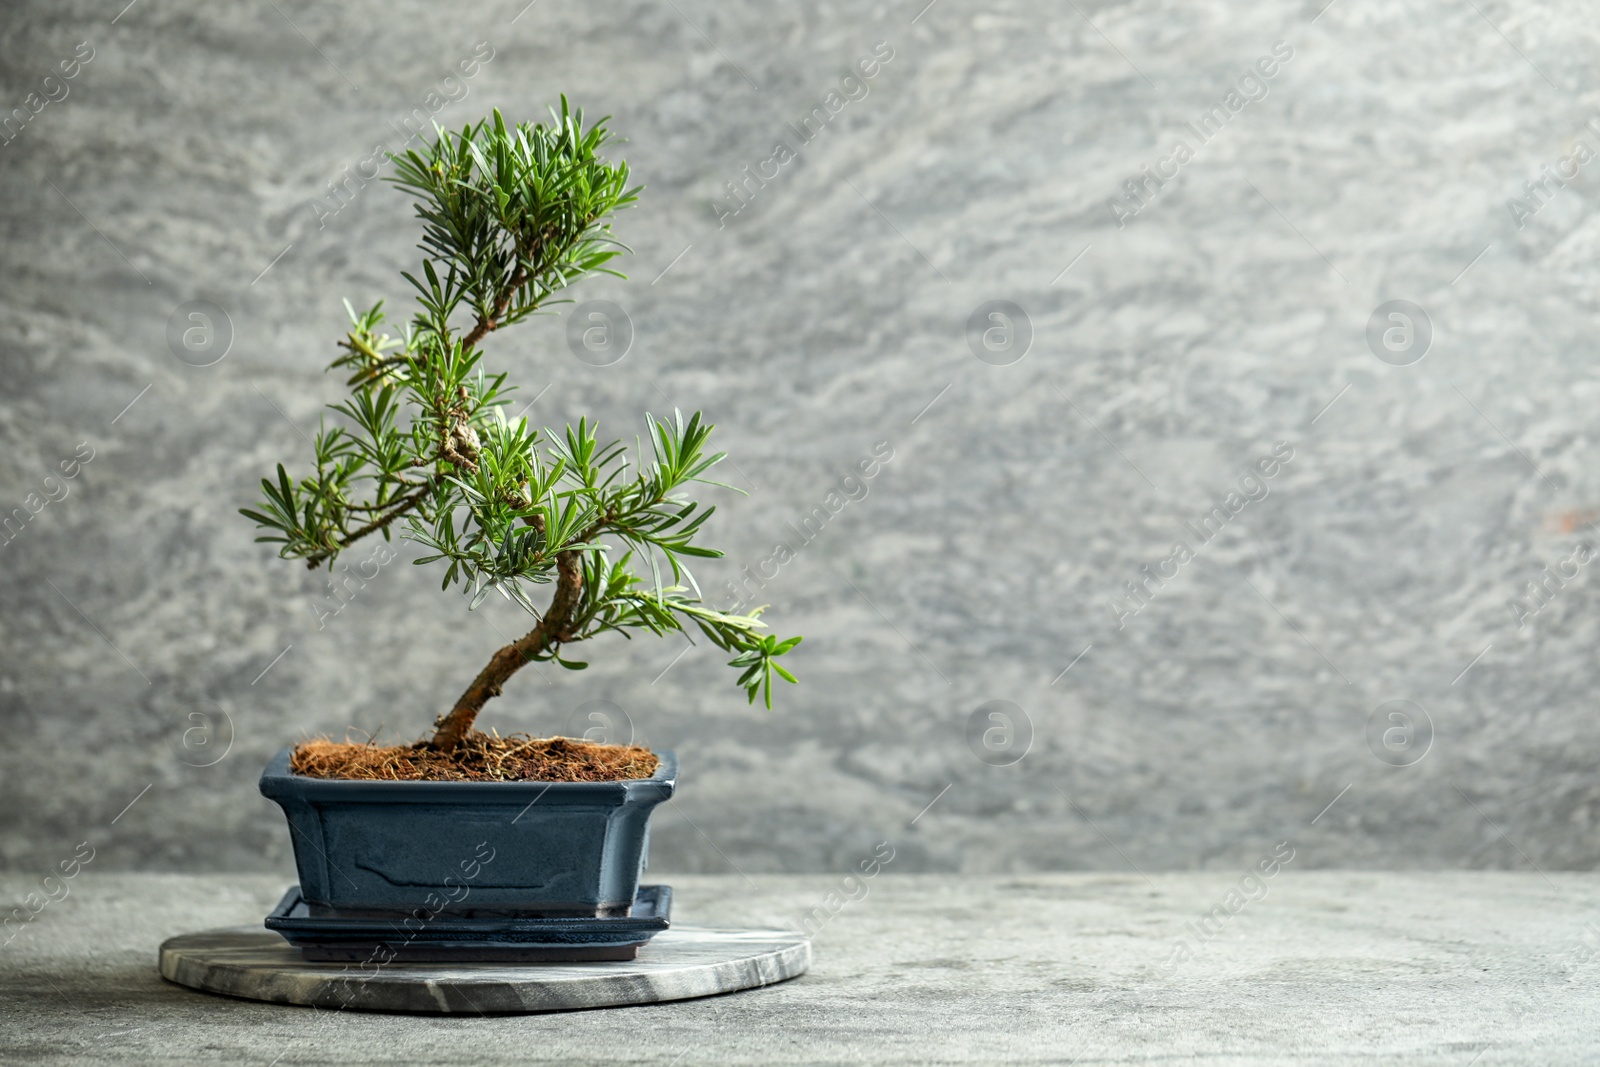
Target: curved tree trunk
column 552, row 629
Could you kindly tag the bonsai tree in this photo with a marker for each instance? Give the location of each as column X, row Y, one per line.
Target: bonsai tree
column 511, row 217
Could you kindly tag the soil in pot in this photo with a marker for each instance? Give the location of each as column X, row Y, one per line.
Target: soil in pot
column 480, row 757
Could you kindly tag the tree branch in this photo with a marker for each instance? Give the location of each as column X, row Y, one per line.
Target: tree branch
column 401, row 506
column 551, row 631
column 518, row 278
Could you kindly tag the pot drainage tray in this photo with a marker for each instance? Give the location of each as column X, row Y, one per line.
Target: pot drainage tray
column 452, row 939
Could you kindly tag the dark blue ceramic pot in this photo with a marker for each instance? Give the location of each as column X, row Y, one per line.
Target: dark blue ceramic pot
column 476, row 849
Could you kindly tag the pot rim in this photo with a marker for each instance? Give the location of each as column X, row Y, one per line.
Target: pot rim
column 278, row 781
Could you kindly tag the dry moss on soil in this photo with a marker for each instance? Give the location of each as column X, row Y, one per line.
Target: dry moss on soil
column 480, row 757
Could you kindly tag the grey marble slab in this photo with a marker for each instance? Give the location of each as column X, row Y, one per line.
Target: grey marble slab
column 679, row 964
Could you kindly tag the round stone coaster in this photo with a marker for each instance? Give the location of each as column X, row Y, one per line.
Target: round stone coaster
column 683, row 962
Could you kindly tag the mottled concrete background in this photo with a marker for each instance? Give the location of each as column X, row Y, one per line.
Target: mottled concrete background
column 1228, row 317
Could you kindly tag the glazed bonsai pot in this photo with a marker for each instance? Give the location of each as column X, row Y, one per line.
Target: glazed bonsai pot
column 380, row 849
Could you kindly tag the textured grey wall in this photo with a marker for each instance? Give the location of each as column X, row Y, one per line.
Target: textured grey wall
column 1169, row 355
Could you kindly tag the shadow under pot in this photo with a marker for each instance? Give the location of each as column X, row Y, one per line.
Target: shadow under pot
column 379, row 849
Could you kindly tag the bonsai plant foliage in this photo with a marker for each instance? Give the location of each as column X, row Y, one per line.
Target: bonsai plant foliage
column 511, row 216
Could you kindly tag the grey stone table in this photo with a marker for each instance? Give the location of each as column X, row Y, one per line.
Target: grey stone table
column 1322, row 967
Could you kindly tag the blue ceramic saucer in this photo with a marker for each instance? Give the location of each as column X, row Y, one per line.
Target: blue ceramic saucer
column 451, row 939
